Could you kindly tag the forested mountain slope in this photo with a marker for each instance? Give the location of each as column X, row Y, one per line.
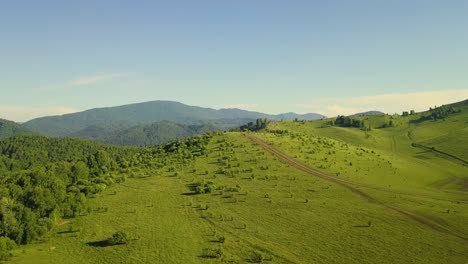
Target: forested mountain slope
column 10, row 129
column 126, row 116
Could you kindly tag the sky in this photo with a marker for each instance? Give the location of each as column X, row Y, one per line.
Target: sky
column 329, row 57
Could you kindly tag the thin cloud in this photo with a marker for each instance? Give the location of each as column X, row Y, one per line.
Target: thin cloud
column 24, row 113
column 87, row 80
column 387, row 103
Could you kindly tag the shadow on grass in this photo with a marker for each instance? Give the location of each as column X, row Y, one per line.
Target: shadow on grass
column 208, row 257
column 101, row 243
column 361, row 226
column 189, row 193
column 215, row 241
column 68, row 232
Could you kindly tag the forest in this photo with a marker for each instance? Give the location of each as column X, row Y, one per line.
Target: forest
column 45, row 179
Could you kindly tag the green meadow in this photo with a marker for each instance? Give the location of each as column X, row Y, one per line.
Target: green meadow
column 238, row 203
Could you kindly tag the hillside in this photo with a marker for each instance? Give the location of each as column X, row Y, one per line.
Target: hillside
column 145, row 135
column 127, row 116
column 294, row 192
column 224, row 198
column 411, row 141
column 9, row 129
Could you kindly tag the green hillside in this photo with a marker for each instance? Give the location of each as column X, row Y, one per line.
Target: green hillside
column 295, row 192
column 9, row 129
column 156, row 133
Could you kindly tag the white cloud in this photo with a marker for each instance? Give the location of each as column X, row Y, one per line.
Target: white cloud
column 86, row 80
column 387, row 103
column 24, row 113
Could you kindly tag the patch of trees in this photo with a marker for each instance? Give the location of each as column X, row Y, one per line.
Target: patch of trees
column 259, row 124
column 346, row 121
column 441, row 112
column 437, row 113
column 43, row 179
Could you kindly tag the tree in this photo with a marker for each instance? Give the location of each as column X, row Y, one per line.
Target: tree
column 79, row 172
column 102, row 159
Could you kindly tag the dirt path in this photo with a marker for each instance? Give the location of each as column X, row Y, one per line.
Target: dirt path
column 348, row 182
column 299, row 165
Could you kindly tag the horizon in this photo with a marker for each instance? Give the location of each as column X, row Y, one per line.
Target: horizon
column 333, row 58
column 235, row 108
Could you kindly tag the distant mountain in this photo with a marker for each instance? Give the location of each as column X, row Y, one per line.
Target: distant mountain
column 100, row 123
column 292, row 116
column 144, row 135
column 10, row 129
column 369, row 113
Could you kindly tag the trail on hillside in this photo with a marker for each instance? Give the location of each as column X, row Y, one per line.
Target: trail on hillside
column 301, row 166
column 373, row 187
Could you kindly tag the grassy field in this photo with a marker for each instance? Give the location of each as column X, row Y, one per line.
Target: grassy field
column 262, row 209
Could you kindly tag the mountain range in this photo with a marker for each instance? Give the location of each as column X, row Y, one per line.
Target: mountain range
column 147, row 123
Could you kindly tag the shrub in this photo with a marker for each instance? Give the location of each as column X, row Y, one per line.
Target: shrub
column 118, row 238
column 6, row 245
column 257, row 257
column 205, row 188
column 212, row 253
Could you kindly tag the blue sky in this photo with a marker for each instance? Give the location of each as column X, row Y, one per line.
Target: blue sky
column 331, row 57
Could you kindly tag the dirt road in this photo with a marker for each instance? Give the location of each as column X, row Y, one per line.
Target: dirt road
column 305, row 168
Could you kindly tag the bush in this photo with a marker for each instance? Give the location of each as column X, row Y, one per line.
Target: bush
column 212, row 253
column 221, row 239
column 204, row 188
column 6, row 245
column 118, row 238
column 259, row 257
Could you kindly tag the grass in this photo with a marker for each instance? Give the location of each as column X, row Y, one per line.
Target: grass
column 259, row 208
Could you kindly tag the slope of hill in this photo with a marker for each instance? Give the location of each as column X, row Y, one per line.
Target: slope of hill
column 226, row 199
column 449, row 134
column 146, row 113
column 156, row 133
column 295, row 192
column 398, row 137
column 10, row 129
